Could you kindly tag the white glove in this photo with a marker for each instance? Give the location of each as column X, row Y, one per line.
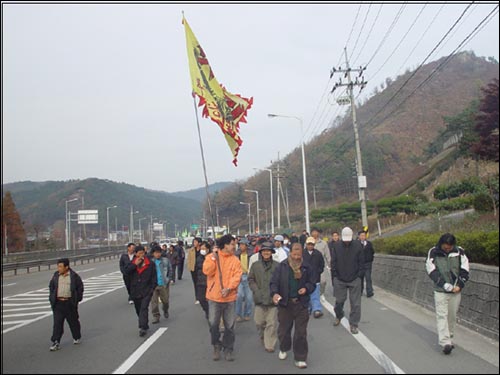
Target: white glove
column 448, row 287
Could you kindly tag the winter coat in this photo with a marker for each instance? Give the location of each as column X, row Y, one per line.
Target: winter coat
column 259, row 280
column 231, row 276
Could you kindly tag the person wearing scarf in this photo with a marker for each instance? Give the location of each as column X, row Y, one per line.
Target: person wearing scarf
column 291, row 285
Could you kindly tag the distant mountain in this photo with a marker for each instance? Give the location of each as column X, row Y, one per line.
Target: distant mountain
column 43, row 203
column 393, row 140
column 201, row 194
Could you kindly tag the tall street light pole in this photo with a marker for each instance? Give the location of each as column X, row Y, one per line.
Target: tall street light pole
column 272, row 203
column 306, row 203
column 131, row 225
column 68, row 223
column 249, row 217
column 258, row 214
column 107, row 220
column 140, row 231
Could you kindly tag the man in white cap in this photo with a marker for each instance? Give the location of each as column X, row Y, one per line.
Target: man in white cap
column 347, row 272
column 278, row 247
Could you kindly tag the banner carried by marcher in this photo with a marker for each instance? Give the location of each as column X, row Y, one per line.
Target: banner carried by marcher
column 223, row 107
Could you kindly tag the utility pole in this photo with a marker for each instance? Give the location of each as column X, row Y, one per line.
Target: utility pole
column 278, row 191
column 350, row 100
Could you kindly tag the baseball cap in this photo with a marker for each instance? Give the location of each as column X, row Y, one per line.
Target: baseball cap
column 310, row 240
column 279, row 237
column 347, row 234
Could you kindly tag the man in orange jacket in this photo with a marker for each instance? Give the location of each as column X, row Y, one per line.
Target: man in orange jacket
column 222, row 290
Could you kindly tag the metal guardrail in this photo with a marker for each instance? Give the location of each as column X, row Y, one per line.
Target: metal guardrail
column 51, row 254
column 15, row 266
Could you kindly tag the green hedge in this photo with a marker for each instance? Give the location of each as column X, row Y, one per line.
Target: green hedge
column 480, row 246
column 470, row 185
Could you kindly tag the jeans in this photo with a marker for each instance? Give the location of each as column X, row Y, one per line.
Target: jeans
column 65, row 310
column 340, row 291
column 246, row 295
column 314, row 302
column 226, row 310
column 368, row 278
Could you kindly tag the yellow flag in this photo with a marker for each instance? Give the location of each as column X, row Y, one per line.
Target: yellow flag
column 224, row 108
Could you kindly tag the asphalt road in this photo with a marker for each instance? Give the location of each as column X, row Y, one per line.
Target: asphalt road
column 396, row 336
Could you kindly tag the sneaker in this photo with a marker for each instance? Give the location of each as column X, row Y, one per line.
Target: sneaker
column 142, row 332
column 130, row 302
column 318, row 314
column 77, row 341
column 216, row 356
column 336, row 322
column 156, row 321
column 55, row 346
column 239, row 319
column 197, row 302
column 301, row 364
column 354, row 330
column 447, row 349
column 229, row 356
column 282, row 355
column 246, row 318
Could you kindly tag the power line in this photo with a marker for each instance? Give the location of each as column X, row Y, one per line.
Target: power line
column 352, row 29
column 368, row 35
column 360, row 31
column 389, row 30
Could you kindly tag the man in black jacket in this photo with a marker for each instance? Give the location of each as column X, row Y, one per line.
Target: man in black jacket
column 291, row 285
column 347, row 271
column 316, row 260
column 368, row 254
column 143, row 281
column 65, row 292
column 124, row 260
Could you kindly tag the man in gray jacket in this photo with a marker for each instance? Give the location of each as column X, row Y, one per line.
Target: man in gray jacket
column 347, row 272
column 265, row 314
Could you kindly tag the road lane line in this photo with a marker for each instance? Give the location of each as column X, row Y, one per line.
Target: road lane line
column 139, row 352
column 82, row 271
column 9, row 284
column 378, row 355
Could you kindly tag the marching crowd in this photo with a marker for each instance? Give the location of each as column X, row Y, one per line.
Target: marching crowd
column 276, row 280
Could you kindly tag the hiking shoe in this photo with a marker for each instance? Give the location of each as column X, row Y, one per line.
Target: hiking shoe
column 77, row 341
column 354, row 330
column 247, row 318
column 55, row 346
column 447, row 349
column 156, row 321
column 318, row 314
column 269, row 350
column 336, row 322
column 301, row 364
column 142, row 332
column 216, row 356
column 229, row 356
column 282, row 355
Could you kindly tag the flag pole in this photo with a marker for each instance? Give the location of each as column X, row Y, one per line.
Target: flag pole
column 206, row 187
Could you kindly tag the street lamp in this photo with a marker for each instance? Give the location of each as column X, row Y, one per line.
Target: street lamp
column 265, row 210
column 249, row 217
column 306, row 203
column 140, row 231
column 107, row 219
column 68, row 224
column 272, row 203
column 258, row 216
column 131, row 228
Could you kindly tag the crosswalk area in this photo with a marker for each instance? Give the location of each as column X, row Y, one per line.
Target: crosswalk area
column 26, row 308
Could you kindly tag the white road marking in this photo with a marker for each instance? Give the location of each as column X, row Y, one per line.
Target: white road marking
column 378, row 355
column 22, row 305
column 82, row 271
column 139, row 352
column 9, row 284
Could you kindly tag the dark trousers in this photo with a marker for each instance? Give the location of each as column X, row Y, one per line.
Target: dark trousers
column 194, row 277
column 141, row 309
column 174, row 267
column 368, row 278
column 226, row 311
column 126, row 280
column 294, row 314
column 180, row 269
column 65, row 310
column 201, row 292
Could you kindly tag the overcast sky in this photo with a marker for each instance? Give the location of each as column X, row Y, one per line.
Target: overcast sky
column 104, row 90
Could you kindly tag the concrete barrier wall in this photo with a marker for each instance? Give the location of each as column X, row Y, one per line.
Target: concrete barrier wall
column 406, row 276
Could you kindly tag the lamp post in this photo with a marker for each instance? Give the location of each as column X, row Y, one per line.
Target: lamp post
column 306, row 203
column 140, row 231
column 272, row 203
column 131, row 225
column 107, row 220
column 258, row 215
column 68, row 224
column 249, row 217
column 265, row 210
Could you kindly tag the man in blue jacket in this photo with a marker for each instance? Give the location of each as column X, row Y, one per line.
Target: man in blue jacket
column 291, row 285
column 162, row 290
